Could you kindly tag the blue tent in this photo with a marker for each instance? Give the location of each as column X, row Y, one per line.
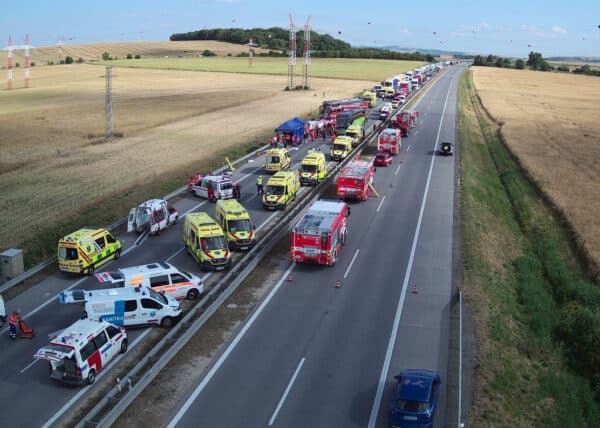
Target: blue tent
column 294, row 126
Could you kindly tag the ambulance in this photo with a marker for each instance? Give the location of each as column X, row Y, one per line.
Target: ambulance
column 126, row 306
column 81, row 350
column 277, row 160
column 84, row 250
column 341, row 148
column 281, row 190
column 154, row 215
column 370, row 97
column 213, row 187
column 205, row 241
column 355, row 131
column 160, row 276
column 236, row 223
column 313, row 168
column 320, row 234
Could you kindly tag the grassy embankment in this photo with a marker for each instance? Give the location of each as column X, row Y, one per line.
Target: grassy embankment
column 536, row 316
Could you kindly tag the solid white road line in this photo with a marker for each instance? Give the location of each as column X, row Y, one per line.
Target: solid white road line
column 351, row 263
column 83, row 390
column 287, row 390
column 398, row 169
column 28, row 366
column 264, row 223
column 409, row 147
column 228, row 351
column 460, row 332
column 394, row 332
column 380, row 203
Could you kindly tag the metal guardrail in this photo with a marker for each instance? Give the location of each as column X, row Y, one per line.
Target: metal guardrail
column 43, row 265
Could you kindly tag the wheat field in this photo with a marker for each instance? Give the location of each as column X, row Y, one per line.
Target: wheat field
column 551, row 122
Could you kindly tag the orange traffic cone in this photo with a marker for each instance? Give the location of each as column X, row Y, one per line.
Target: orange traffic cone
column 338, row 284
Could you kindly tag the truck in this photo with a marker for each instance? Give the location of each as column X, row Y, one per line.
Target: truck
column 390, row 140
column 344, row 119
column 405, row 121
column 330, row 105
column 355, row 179
column 404, row 87
column 321, row 233
column 356, row 131
column 154, row 215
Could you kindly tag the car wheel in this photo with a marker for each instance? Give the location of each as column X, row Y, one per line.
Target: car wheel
column 91, row 377
column 91, row 270
column 167, row 322
column 193, row 294
column 123, row 346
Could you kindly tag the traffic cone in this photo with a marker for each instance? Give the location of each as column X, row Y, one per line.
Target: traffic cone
column 414, row 289
column 338, row 284
column 290, row 278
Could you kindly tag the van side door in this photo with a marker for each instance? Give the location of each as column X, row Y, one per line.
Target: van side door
column 161, row 283
column 104, row 347
column 149, row 310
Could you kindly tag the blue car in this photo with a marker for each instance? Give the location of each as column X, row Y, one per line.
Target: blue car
column 415, row 399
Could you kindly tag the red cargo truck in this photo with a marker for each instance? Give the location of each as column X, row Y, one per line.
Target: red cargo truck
column 321, row 233
column 354, row 179
column 389, row 141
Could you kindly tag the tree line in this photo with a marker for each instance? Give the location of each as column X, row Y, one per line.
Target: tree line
column 535, row 61
column 276, row 39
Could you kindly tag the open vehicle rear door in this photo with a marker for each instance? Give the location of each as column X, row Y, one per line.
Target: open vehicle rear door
column 131, row 226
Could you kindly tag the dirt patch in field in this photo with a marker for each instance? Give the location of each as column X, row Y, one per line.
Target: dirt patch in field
column 551, row 122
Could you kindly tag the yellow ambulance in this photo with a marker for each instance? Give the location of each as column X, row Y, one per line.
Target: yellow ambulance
column 342, row 146
column 205, row 241
column 370, row 97
column 236, row 223
column 280, row 190
column 85, row 249
column 277, row 160
column 313, row 168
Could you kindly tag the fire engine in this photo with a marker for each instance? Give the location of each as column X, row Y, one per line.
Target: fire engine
column 405, row 121
column 154, row 215
column 321, row 233
column 354, row 180
column 389, row 141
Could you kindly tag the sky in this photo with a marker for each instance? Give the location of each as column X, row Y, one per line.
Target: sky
column 505, row 28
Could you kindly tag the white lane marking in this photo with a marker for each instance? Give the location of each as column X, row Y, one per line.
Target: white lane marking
column 29, row 366
column 287, row 390
column 141, row 238
column 194, row 208
column 409, row 147
column 398, row 169
column 175, row 253
column 78, row 396
column 460, row 322
column 394, row 333
column 351, row 263
column 380, row 203
column 416, row 132
column 264, row 223
column 228, row 351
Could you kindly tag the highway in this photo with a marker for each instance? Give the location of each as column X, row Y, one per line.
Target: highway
column 313, row 355
column 24, row 382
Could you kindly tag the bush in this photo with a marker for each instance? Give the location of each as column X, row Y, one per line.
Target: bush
column 129, row 56
column 520, row 64
column 208, row 52
column 68, row 59
column 106, row 56
column 79, row 60
column 229, row 54
column 137, row 57
column 33, row 63
column 50, row 62
column 17, row 65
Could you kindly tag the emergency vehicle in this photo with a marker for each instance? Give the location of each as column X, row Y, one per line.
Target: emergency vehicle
column 126, row 306
column 160, row 276
column 388, row 91
column 354, row 180
column 281, row 190
column 370, row 97
column 205, row 241
column 313, row 168
column 85, row 249
column 236, row 223
column 342, row 146
column 390, row 141
column 320, row 234
column 154, row 215
column 213, row 187
column 81, row 350
column 356, row 132
column 277, row 160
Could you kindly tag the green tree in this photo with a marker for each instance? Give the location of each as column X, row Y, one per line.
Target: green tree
column 519, row 64
column 535, row 60
column 137, row 57
column 68, row 59
column 79, row 60
column 129, row 56
column 499, row 62
column 105, row 56
column 506, row 62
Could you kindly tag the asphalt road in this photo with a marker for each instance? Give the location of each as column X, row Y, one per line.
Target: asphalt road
column 24, row 382
column 313, row 355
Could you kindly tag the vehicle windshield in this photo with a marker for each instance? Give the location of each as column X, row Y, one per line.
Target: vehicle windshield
column 341, row 147
column 67, row 253
column 274, row 190
column 239, row 225
column 157, row 296
column 413, row 405
column 380, row 156
column 352, row 134
column 308, row 168
column 272, row 159
column 213, row 243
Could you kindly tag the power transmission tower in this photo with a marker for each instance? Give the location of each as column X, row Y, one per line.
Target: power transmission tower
column 292, row 55
column 108, row 135
column 306, row 53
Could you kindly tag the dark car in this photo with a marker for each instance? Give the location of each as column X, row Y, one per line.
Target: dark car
column 446, row 148
column 383, row 159
column 415, row 399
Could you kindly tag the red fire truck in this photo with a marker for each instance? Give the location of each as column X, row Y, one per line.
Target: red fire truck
column 405, row 121
column 389, row 141
column 354, row 179
column 321, row 233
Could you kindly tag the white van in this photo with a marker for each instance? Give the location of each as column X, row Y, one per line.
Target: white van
column 126, row 306
column 159, row 276
column 80, row 351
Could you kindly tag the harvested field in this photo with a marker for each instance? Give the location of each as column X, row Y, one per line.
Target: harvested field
column 551, row 122
column 42, row 55
column 53, row 163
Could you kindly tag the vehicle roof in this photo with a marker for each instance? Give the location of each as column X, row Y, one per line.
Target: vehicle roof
column 343, row 139
column 201, row 219
column 276, row 150
column 281, row 176
column 320, row 217
column 111, row 294
column 356, row 168
column 79, row 333
column 389, row 132
column 83, row 233
column 313, row 156
column 219, row 178
column 148, row 268
column 416, row 384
